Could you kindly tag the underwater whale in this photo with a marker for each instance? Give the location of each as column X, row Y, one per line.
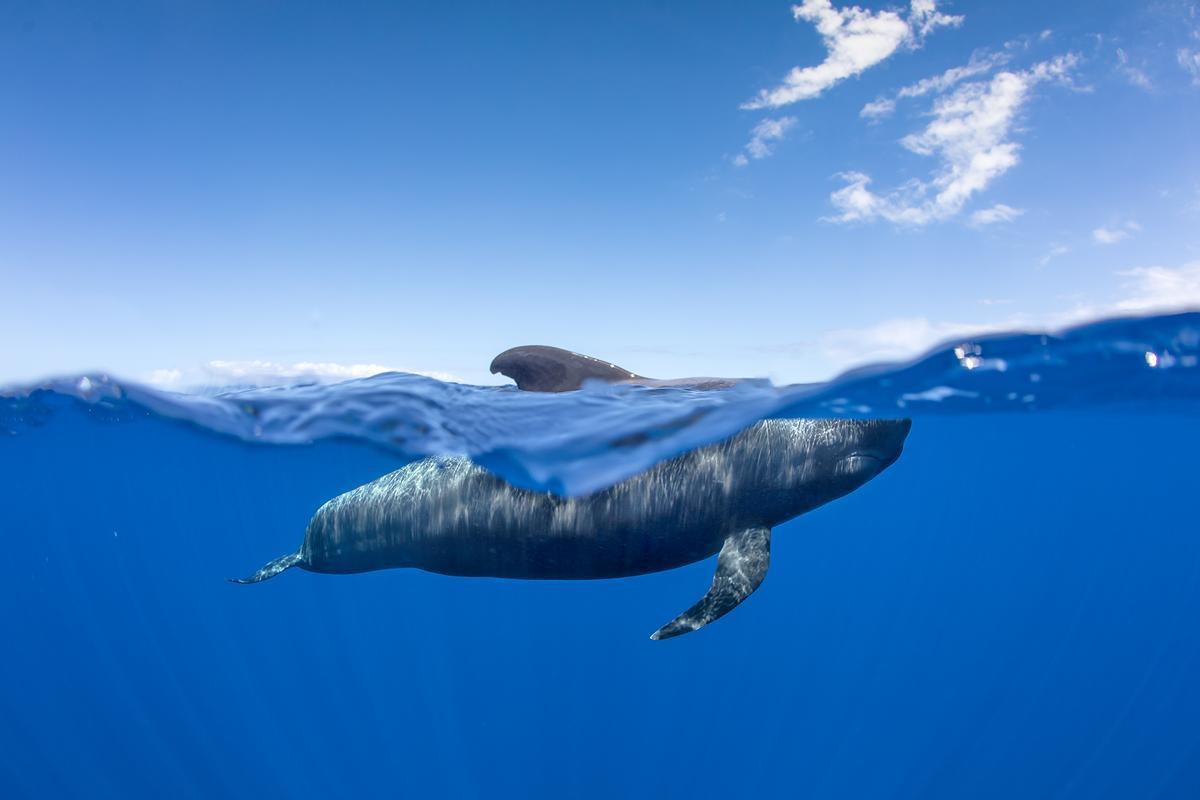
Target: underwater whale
column 450, row 516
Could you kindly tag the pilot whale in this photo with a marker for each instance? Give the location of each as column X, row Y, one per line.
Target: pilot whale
column 450, row 516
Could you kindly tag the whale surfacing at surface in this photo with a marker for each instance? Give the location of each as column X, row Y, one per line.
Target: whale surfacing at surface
column 450, row 516
column 540, row 368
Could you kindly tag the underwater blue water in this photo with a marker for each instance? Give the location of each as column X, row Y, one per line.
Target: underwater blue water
column 1009, row 611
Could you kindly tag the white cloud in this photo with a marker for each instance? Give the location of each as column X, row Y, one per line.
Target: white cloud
column 925, row 17
column 1145, row 290
column 166, row 378
column 878, row 108
column 1134, row 75
column 969, row 133
column 1054, row 252
column 977, row 65
column 897, row 338
column 856, row 39
column 762, row 139
column 322, row 370
column 980, row 63
column 1114, row 235
column 995, row 214
column 1161, row 288
column 261, row 372
column 1190, row 61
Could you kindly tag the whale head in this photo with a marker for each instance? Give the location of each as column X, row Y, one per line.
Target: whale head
column 830, row 458
column 866, row 447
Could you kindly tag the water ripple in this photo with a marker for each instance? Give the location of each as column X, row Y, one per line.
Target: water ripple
column 578, row 442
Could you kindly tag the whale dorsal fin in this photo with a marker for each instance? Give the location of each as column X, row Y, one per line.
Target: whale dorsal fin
column 741, row 567
column 538, row 368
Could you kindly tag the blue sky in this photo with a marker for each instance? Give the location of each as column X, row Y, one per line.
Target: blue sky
column 199, row 190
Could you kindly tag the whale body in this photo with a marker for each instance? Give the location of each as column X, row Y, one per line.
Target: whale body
column 450, row 516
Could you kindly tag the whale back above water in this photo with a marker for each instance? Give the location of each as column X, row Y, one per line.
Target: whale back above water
column 540, row 368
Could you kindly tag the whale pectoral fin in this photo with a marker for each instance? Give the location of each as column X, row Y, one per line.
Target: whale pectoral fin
column 271, row 569
column 741, row 567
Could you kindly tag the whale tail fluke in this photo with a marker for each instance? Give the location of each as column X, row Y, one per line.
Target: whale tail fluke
column 271, row 569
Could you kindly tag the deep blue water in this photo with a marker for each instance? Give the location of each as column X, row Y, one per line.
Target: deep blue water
column 1009, row 611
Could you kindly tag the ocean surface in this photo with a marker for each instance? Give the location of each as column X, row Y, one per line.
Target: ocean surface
column 1012, row 610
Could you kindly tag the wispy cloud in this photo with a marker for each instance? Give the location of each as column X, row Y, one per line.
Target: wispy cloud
column 262, row 372
column 1144, row 290
column 1134, row 75
column 894, row 339
column 996, row 214
column 855, row 39
column 980, row 63
column 1190, row 61
column 1161, row 288
column 970, row 134
column 878, row 108
column 166, row 378
column 1115, row 234
column 1054, row 252
column 1108, row 235
column 763, row 138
